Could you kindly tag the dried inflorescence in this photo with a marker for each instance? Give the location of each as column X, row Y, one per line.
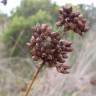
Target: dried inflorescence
column 72, row 20
column 48, row 46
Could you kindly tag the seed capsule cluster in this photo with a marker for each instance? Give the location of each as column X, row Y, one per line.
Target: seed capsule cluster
column 72, row 20
column 49, row 47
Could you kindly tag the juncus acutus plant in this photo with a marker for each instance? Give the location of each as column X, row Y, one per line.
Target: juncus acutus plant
column 49, row 47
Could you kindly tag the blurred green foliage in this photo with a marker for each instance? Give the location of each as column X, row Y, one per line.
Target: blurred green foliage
column 31, row 7
column 29, row 13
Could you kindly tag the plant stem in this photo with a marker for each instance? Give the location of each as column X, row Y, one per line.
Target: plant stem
column 17, row 41
column 33, row 79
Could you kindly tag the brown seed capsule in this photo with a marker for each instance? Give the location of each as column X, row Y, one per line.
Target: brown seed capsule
column 55, row 34
column 72, row 15
column 28, row 44
column 86, row 29
column 62, row 68
column 49, row 57
column 61, row 17
column 80, row 17
column 67, row 49
column 35, row 35
column 72, row 26
column 66, row 66
column 61, row 10
column 67, row 43
column 34, row 58
column 65, row 15
column 67, row 8
column 75, row 20
column 44, row 27
column 84, row 20
column 77, row 14
column 81, row 24
column 59, row 23
column 65, row 56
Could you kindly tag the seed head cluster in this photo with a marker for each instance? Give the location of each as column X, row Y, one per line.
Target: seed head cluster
column 48, row 46
column 72, row 20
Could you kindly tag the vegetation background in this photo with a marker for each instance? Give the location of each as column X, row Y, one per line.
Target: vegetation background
column 16, row 66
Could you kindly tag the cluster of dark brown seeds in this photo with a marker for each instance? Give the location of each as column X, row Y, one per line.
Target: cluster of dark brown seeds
column 49, row 47
column 72, row 20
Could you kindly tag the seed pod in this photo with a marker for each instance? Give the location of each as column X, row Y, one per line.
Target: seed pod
column 75, row 20
column 66, row 43
column 49, row 57
column 72, row 15
column 28, row 44
column 72, row 20
column 81, row 24
column 66, row 66
column 62, row 68
column 60, row 59
column 59, row 23
column 34, row 58
column 67, row 49
column 84, row 20
column 33, row 52
column 61, row 10
column 44, row 27
column 35, row 35
column 80, row 17
column 64, row 56
column 54, row 34
column 65, row 15
column 77, row 14
column 86, row 29
column 47, row 46
column 72, row 26
column 38, row 40
column 61, row 17
column 67, row 9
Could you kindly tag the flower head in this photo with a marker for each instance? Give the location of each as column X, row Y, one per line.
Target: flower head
column 48, row 46
column 72, row 20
